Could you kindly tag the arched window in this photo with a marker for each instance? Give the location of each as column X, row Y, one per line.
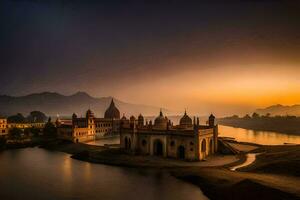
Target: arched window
column 203, row 145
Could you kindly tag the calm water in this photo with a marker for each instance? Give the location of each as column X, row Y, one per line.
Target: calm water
column 249, row 160
column 35, row 173
column 103, row 141
column 258, row 137
column 240, row 134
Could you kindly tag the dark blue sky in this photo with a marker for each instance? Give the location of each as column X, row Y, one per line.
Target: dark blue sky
column 107, row 48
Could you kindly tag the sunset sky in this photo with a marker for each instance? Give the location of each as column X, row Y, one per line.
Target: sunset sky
column 206, row 57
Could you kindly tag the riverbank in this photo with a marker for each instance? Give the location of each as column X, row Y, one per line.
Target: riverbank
column 24, row 142
column 280, row 125
column 280, row 159
column 213, row 176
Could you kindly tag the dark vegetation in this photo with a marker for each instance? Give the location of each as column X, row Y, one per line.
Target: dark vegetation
column 28, row 137
column 284, row 124
column 33, row 117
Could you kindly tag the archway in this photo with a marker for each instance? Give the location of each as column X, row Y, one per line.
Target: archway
column 77, row 140
column 211, row 146
column 203, row 145
column 158, row 148
column 181, row 152
column 126, row 143
column 129, row 144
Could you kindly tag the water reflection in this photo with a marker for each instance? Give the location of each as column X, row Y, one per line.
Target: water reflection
column 104, row 141
column 258, row 137
column 250, row 158
column 39, row 174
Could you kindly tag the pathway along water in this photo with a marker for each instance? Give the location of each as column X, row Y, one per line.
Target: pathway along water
column 34, row 173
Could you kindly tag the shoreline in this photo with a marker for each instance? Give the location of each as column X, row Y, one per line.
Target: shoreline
column 238, row 125
column 216, row 182
column 265, row 177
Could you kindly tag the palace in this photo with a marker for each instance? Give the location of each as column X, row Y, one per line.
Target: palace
column 5, row 126
column 188, row 141
column 88, row 128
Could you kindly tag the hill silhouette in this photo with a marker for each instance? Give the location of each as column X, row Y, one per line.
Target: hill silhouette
column 279, row 109
column 52, row 103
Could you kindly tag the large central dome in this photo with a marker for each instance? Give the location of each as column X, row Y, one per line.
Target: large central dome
column 160, row 122
column 112, row 111
column 185, row 120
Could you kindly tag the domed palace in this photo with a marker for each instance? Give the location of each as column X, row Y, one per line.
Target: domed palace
column 187, row 141
column 112, row 111
column 88, row 128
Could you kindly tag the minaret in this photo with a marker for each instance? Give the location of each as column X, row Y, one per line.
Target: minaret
column 211, row 120
column 211, row 123
column 140, row 120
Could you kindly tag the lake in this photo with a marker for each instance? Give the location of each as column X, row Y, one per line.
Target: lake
column 240, row 134
column 258, row 137
column 35, row 173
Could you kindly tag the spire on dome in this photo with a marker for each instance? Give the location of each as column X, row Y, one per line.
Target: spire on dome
column 160, row 113
column 112, row 111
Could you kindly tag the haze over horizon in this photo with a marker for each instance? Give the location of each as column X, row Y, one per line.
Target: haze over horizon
column 225, row 58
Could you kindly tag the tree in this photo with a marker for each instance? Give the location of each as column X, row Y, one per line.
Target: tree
column 32, row 131
column 255, row 115
column 37, row 116
column 247, row 117
column 2, row 142
column 50, row 129
column 15, row 133
column 18, row 118
column 234, row 117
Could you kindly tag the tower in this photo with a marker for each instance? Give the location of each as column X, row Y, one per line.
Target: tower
column 140, row 120
column 211, row 120
column 211, row 123
column 90, row 122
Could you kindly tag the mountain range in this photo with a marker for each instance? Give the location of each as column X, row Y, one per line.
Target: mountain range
column 280, row 110
column 53, row 104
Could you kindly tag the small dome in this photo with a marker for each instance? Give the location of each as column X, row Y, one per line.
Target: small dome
column 74, row 116
column 140, row 117
column 112, row 111
column 132, row 118
column 123, row 118
column 185, row 120
column 161, row 121
column 140, row 120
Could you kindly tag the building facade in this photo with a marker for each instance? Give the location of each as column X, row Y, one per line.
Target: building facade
column 88, row 128
column 3, row 127
column 187, row 141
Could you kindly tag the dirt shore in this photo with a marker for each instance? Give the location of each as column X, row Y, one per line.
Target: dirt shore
column 275, row 177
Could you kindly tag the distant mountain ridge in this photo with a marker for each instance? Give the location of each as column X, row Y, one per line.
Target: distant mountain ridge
column 280, row 110
column 52, row 103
